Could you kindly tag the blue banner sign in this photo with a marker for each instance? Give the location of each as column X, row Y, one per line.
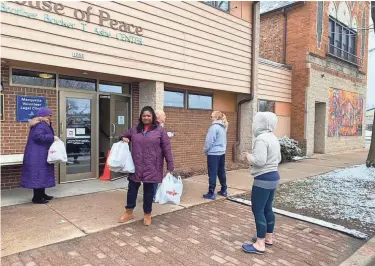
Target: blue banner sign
column 28, row 106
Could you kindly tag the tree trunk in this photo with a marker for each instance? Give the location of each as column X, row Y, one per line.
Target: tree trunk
column 370, row 162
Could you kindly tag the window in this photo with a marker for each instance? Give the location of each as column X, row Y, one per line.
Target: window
column 112, row 87
column 196, row 101
column 342, row 42
column 33, row 78
column 77, row 83
column 266, row 106
column 222, row 5
column 174, row 99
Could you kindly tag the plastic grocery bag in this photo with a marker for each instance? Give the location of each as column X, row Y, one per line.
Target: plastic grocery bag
column 120, row 158
column 57, row 153
column 129, row 164
column 170, row 190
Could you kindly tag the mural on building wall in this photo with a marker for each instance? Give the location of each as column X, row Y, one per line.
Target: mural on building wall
column 345, row 114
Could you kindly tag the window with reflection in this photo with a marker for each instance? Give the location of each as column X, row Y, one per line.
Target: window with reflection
column 112, row 87
column 198, row 101
column 174, row 99
column 266, row 106
column 33, row 78
column 77, row 83
column 222, row 5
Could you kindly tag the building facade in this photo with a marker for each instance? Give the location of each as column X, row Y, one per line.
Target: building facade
column 325, row 44
column 96, row 64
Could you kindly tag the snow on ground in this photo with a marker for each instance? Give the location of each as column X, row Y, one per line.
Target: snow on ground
column 345, row 196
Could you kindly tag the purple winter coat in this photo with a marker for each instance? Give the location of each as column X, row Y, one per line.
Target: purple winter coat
column 148, row 152
column 36, row 172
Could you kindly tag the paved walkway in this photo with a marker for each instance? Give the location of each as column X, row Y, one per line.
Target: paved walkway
column 29, row 226
column 208, row 234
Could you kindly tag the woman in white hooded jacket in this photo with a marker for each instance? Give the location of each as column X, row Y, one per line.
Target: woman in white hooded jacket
column 264, row 161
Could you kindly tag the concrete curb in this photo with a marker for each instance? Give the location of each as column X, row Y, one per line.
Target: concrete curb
column 365, row 256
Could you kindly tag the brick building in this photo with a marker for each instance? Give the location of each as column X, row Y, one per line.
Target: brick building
column 325, row 44
column 97, row 64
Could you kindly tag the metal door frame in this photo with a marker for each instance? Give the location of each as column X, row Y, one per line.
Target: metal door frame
column 93, row 96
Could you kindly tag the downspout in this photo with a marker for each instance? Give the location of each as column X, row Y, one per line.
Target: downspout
column 254, row 75
column 284, row 40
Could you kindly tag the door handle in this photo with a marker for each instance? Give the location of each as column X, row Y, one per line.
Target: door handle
column 61, row 129
column 114, row 129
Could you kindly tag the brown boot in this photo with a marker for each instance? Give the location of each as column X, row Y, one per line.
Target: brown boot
column 128, row 215
column 147, row 219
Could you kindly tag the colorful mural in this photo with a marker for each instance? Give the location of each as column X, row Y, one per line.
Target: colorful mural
column 345, row 115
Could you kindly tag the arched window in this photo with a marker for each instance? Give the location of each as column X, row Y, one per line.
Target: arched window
column 319, row 23
column 363, row 24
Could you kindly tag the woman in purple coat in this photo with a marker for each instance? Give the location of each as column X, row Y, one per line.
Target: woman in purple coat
column 150, row 144
column 37, row 174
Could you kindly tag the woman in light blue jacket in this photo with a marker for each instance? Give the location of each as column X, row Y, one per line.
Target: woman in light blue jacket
column 215, row 148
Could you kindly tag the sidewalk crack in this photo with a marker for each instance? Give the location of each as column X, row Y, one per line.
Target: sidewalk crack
column 66, row 219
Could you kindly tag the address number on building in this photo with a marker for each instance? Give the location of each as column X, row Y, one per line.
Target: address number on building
column 78, row 55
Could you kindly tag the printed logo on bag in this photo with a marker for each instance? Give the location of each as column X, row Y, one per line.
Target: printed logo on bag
column 52, row 152
column 172, row 193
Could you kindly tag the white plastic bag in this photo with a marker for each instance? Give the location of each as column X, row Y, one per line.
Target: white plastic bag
column 120, row 158
column 129, row 164
column 170, row 190
column 57, row 153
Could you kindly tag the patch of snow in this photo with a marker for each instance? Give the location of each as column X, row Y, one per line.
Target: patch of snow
column 346, row 194
column 299, row 158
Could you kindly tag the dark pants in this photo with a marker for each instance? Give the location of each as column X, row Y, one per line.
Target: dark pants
column 148, row 193
column 39, row 193
column 155, row 189
column 216, row 168
column 261, row 205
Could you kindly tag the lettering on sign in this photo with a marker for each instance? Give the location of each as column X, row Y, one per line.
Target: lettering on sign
column 128, row 32
column 78, row 55
column 81, row 15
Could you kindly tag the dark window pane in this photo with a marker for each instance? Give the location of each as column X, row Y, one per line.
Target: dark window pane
column 112, row 87
column 77, row 83
column 33, row 78
column 222, row 5
column 200, row 102
column 266, row 106
column 174, row 99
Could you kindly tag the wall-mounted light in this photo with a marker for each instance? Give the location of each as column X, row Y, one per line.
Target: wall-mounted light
column 45, row 75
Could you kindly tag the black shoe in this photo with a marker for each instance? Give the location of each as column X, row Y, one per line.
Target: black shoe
column 46, row 197
column 39, row 201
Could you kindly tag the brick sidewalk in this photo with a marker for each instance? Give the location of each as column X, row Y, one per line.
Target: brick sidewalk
column 209, row 234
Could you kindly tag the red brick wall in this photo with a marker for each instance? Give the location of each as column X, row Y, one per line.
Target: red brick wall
column 299, row 44
column 10, row 176
column 190, row 127
column 14, row 134
column 271, row 37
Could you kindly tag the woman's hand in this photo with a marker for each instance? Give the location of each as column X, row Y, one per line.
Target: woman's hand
column 125, row 140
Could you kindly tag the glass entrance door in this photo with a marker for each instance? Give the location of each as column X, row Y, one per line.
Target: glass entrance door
column 78, row 131
column 120, row 116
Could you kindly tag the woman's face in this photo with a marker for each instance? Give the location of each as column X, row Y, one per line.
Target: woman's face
column 147, row 118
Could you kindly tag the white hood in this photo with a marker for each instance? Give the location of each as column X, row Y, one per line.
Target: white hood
column 264, row 122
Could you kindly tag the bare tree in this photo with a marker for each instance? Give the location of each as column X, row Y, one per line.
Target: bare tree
column 370, row 162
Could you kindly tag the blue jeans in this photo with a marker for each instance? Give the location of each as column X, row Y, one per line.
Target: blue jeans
column 261, row 205
column 216, row 168
column 155, row 189
column 148, row 191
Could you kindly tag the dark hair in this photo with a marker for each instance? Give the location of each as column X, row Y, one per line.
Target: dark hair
column 154, row 119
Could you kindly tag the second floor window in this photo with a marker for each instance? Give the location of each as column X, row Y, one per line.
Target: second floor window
column 222, row 5
column 342, row 42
